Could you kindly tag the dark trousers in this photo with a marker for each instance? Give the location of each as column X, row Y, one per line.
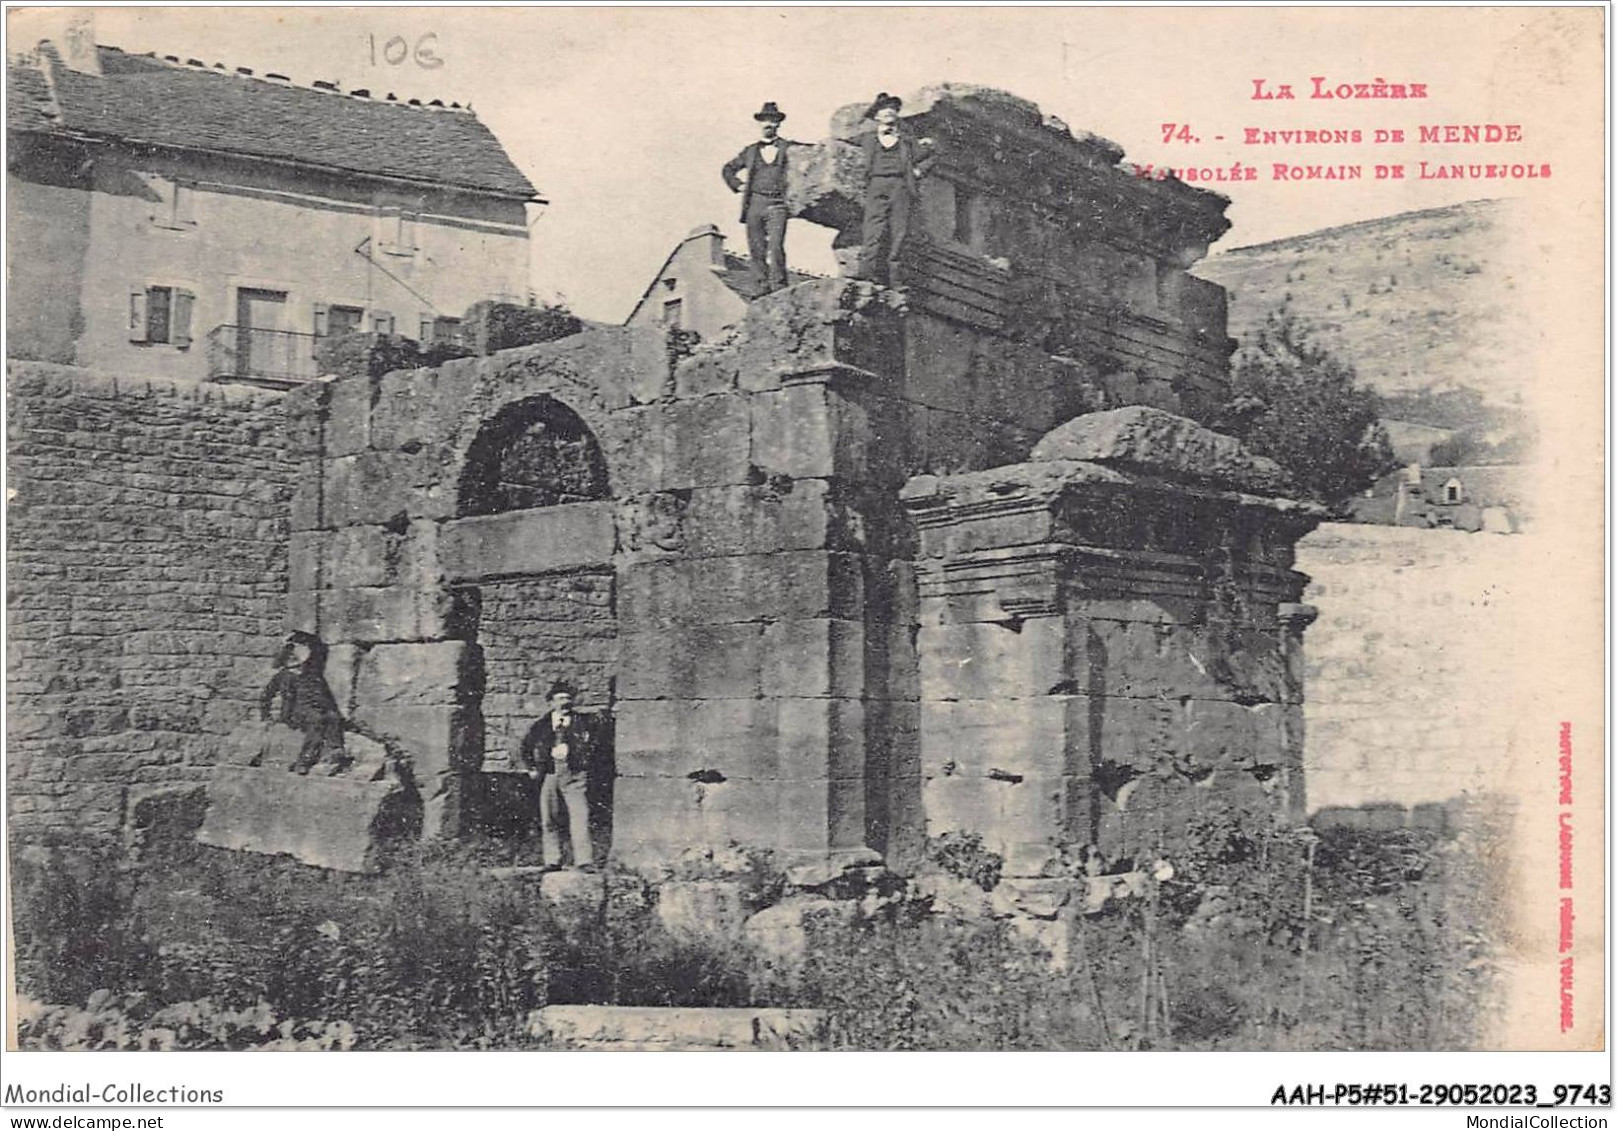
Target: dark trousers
column 887, row 223
column 766, row 244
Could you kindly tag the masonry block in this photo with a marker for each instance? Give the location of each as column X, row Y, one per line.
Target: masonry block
column 528, row 542
column 306, row 508
column 790, row 515
column 371, row 487
column 820, row 657
column 412, row 407
column 348, row 418
column 1012, row 738
column 334, row 823
column 988, row 660
column 363, row 616
column 733, row 738
column 821, row 739
column 818, row 815
column 306, row 554
column 439, row 674
column 360, row 556
column 439, row 739
column 702, row 661
column 706, row 442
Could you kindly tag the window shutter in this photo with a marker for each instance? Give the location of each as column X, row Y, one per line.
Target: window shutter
column 382, row 322
column 322, row 320
column 137, row 314
column 426, row 330
column 180, row 318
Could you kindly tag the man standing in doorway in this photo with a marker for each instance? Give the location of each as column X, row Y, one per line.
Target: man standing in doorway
column 763, row 199
column 893, row 168
column 560, row 752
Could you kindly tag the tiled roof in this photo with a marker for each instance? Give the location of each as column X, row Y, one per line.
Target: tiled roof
column 146, row 101
column 28, row 98
column 1484, row 484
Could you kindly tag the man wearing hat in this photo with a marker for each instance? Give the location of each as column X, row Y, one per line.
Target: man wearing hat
column 893, row 168
column 560, row 752
column 763, row 199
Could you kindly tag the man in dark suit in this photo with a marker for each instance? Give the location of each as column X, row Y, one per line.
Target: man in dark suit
column 763, row 199
column 563, row 751
column 894, row 166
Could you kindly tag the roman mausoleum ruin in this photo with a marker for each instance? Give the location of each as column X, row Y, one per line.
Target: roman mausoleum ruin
column 881, row 564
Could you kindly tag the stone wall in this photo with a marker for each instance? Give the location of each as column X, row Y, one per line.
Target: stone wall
column 533, row 630
column 146, row 578
column 1410, row 688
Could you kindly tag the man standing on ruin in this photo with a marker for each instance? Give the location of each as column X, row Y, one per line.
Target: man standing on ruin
column 763, row 199
column 560, row 752
column 893, row 168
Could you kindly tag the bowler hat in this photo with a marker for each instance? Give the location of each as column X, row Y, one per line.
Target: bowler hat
column 884, row 100
column 770, row 113
column 561, row 687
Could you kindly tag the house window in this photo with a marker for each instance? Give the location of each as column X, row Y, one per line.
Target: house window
column 1452, row 491
column 381, row 322
column 673, row 312
column 396, row 235
column 160, row 315
column 335, row 321
column 439, row 330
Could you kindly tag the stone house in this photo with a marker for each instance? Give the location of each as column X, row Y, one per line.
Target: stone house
column 700, row 286
column 1477, row 498
column 171, row 218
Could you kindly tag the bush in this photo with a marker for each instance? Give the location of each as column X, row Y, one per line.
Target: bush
column 963, row 856
column 1293, row 401
column 75, row 929
column 1258, row 938
column 367, row 355
column 492, row 326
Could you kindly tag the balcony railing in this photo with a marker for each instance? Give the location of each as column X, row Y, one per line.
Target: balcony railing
column 276, row 358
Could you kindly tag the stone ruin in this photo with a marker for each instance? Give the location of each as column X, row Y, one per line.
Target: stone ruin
column 879, row 565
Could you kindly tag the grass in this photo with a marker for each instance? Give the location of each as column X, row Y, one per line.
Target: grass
column 1289, row 940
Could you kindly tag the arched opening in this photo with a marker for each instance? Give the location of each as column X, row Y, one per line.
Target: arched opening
column 532, row 553
column 535, row 453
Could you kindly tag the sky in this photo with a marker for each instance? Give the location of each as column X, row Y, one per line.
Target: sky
column 622, row 116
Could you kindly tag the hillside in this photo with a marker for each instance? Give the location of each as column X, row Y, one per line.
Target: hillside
column 1421, row 304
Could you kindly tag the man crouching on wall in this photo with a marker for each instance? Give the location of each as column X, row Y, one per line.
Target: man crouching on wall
column 562, row 751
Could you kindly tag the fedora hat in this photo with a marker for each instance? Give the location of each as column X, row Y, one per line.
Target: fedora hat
column 884, row 100
column 770, row 113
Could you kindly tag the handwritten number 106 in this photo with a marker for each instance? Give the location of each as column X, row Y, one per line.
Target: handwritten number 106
column 397, row 51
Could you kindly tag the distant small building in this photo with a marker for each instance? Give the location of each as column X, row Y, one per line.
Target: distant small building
column 700, row 287
column 172, row 218
column 1485, row 498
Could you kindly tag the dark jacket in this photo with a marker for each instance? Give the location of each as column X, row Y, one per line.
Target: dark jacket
column 306, row 702
column 749, row 160
column 907, row 149
column 584, row 745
